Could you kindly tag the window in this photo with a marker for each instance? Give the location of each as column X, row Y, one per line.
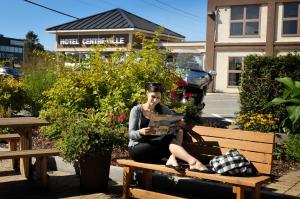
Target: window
column 189, row 61
column 235, row 70
column 291, row 19
column 244, row 20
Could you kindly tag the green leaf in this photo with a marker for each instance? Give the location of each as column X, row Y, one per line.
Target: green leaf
column 294, row 113
column 297, row 84
column 287, row 81
column 295, row 93
column 275, row 101
column 286, row 93
column 297, row 101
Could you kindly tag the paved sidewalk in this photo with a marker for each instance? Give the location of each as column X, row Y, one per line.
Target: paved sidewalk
column 288, row 184
column 66, row 185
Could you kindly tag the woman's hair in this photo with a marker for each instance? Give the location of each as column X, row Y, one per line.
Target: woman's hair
column 154, row 87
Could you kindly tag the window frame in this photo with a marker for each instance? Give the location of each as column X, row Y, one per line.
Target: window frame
column 244, row 21
column 234, row 71
column 291, row 19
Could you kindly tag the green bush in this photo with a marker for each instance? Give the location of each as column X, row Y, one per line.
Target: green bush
column 39, row 75
column 91, row 132
column 291, row 100
column 258, row 86
column 292, row 146
column 110, row 86
column 12, row 96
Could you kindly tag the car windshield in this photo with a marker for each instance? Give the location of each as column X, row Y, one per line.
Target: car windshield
column 193, row 61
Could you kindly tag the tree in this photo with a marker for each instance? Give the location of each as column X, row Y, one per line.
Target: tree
column 31, row 44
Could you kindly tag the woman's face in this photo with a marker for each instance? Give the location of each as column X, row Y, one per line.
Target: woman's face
column 153, row 98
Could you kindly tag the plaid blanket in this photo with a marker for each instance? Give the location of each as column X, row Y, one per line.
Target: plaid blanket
column 232, row 163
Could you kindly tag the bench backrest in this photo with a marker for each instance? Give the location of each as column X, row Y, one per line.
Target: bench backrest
column 207, row 142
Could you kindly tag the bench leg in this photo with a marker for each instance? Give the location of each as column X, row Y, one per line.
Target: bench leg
column 25, row 144
column 127, row 177
column 256, row 192
column 147, row 179
column 239, row 191
column 13, row 147
column 41, row 172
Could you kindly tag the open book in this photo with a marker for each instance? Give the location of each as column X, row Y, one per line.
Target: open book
column 163, row 123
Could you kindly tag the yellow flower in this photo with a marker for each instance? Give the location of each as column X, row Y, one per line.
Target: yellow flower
column 247, row 124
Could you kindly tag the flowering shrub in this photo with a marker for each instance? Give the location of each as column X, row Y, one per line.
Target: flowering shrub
column 257, row 122
column 12, row 96
column 91, row 132
column 109, row 86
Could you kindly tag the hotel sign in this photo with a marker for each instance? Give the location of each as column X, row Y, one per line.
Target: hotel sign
column 88, row 40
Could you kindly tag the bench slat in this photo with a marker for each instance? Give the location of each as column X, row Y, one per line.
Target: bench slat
column 13, row 136
column 140, row 193
column 235, row 134
column 29, row 153
column 237, row 144
column 243, row 181
column 262, row 168
column 197, row 150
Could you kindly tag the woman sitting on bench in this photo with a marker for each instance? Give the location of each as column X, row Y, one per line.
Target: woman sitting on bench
column 148, row 148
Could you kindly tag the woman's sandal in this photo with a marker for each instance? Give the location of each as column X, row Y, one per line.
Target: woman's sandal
column 204, row 170
column 179, row 168
column 201, row 169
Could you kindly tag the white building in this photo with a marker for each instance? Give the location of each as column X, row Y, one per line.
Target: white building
column 238, row 28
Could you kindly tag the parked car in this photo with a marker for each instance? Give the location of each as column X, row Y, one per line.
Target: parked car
column 9, row 71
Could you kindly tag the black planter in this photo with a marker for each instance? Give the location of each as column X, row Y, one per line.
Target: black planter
column 94, row 171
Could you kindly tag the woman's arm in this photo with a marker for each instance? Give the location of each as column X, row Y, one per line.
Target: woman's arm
column 134, row 124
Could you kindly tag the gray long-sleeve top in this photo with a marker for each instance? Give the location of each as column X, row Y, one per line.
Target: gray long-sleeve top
column 135, row 119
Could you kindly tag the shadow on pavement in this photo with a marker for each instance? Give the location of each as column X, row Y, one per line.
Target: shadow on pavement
column 190, row 188
column 61, row 185
column 64, row 185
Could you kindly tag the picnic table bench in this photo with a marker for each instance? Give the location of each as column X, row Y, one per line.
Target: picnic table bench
column 204, row 143
column 12, row 140
column 41, row 156
column 24, row 126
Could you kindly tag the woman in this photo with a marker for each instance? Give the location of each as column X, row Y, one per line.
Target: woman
column 149, row 148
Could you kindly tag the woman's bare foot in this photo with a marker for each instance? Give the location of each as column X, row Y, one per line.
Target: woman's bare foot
column 198, row 166
column 172, row 161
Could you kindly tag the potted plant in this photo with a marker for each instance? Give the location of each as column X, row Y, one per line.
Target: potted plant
column 88, row 140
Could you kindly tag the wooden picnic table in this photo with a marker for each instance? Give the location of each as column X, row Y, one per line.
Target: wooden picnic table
column 24, row 127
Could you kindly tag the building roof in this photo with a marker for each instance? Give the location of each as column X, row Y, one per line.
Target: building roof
column 112, row 19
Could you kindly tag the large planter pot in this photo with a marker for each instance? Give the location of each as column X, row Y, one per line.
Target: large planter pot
column 94, row 171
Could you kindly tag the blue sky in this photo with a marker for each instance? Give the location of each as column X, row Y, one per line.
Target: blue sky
column 17, row 17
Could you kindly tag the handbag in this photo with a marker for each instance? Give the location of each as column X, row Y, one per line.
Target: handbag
column 232, row 163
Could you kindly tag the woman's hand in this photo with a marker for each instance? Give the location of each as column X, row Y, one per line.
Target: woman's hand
column 147, row 131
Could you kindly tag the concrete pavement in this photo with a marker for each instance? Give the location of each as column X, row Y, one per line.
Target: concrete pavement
column 65, row 184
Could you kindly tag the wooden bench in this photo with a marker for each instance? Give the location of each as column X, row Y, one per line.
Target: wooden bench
column 41, row 156
column 204, row 143
column 12, row 140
